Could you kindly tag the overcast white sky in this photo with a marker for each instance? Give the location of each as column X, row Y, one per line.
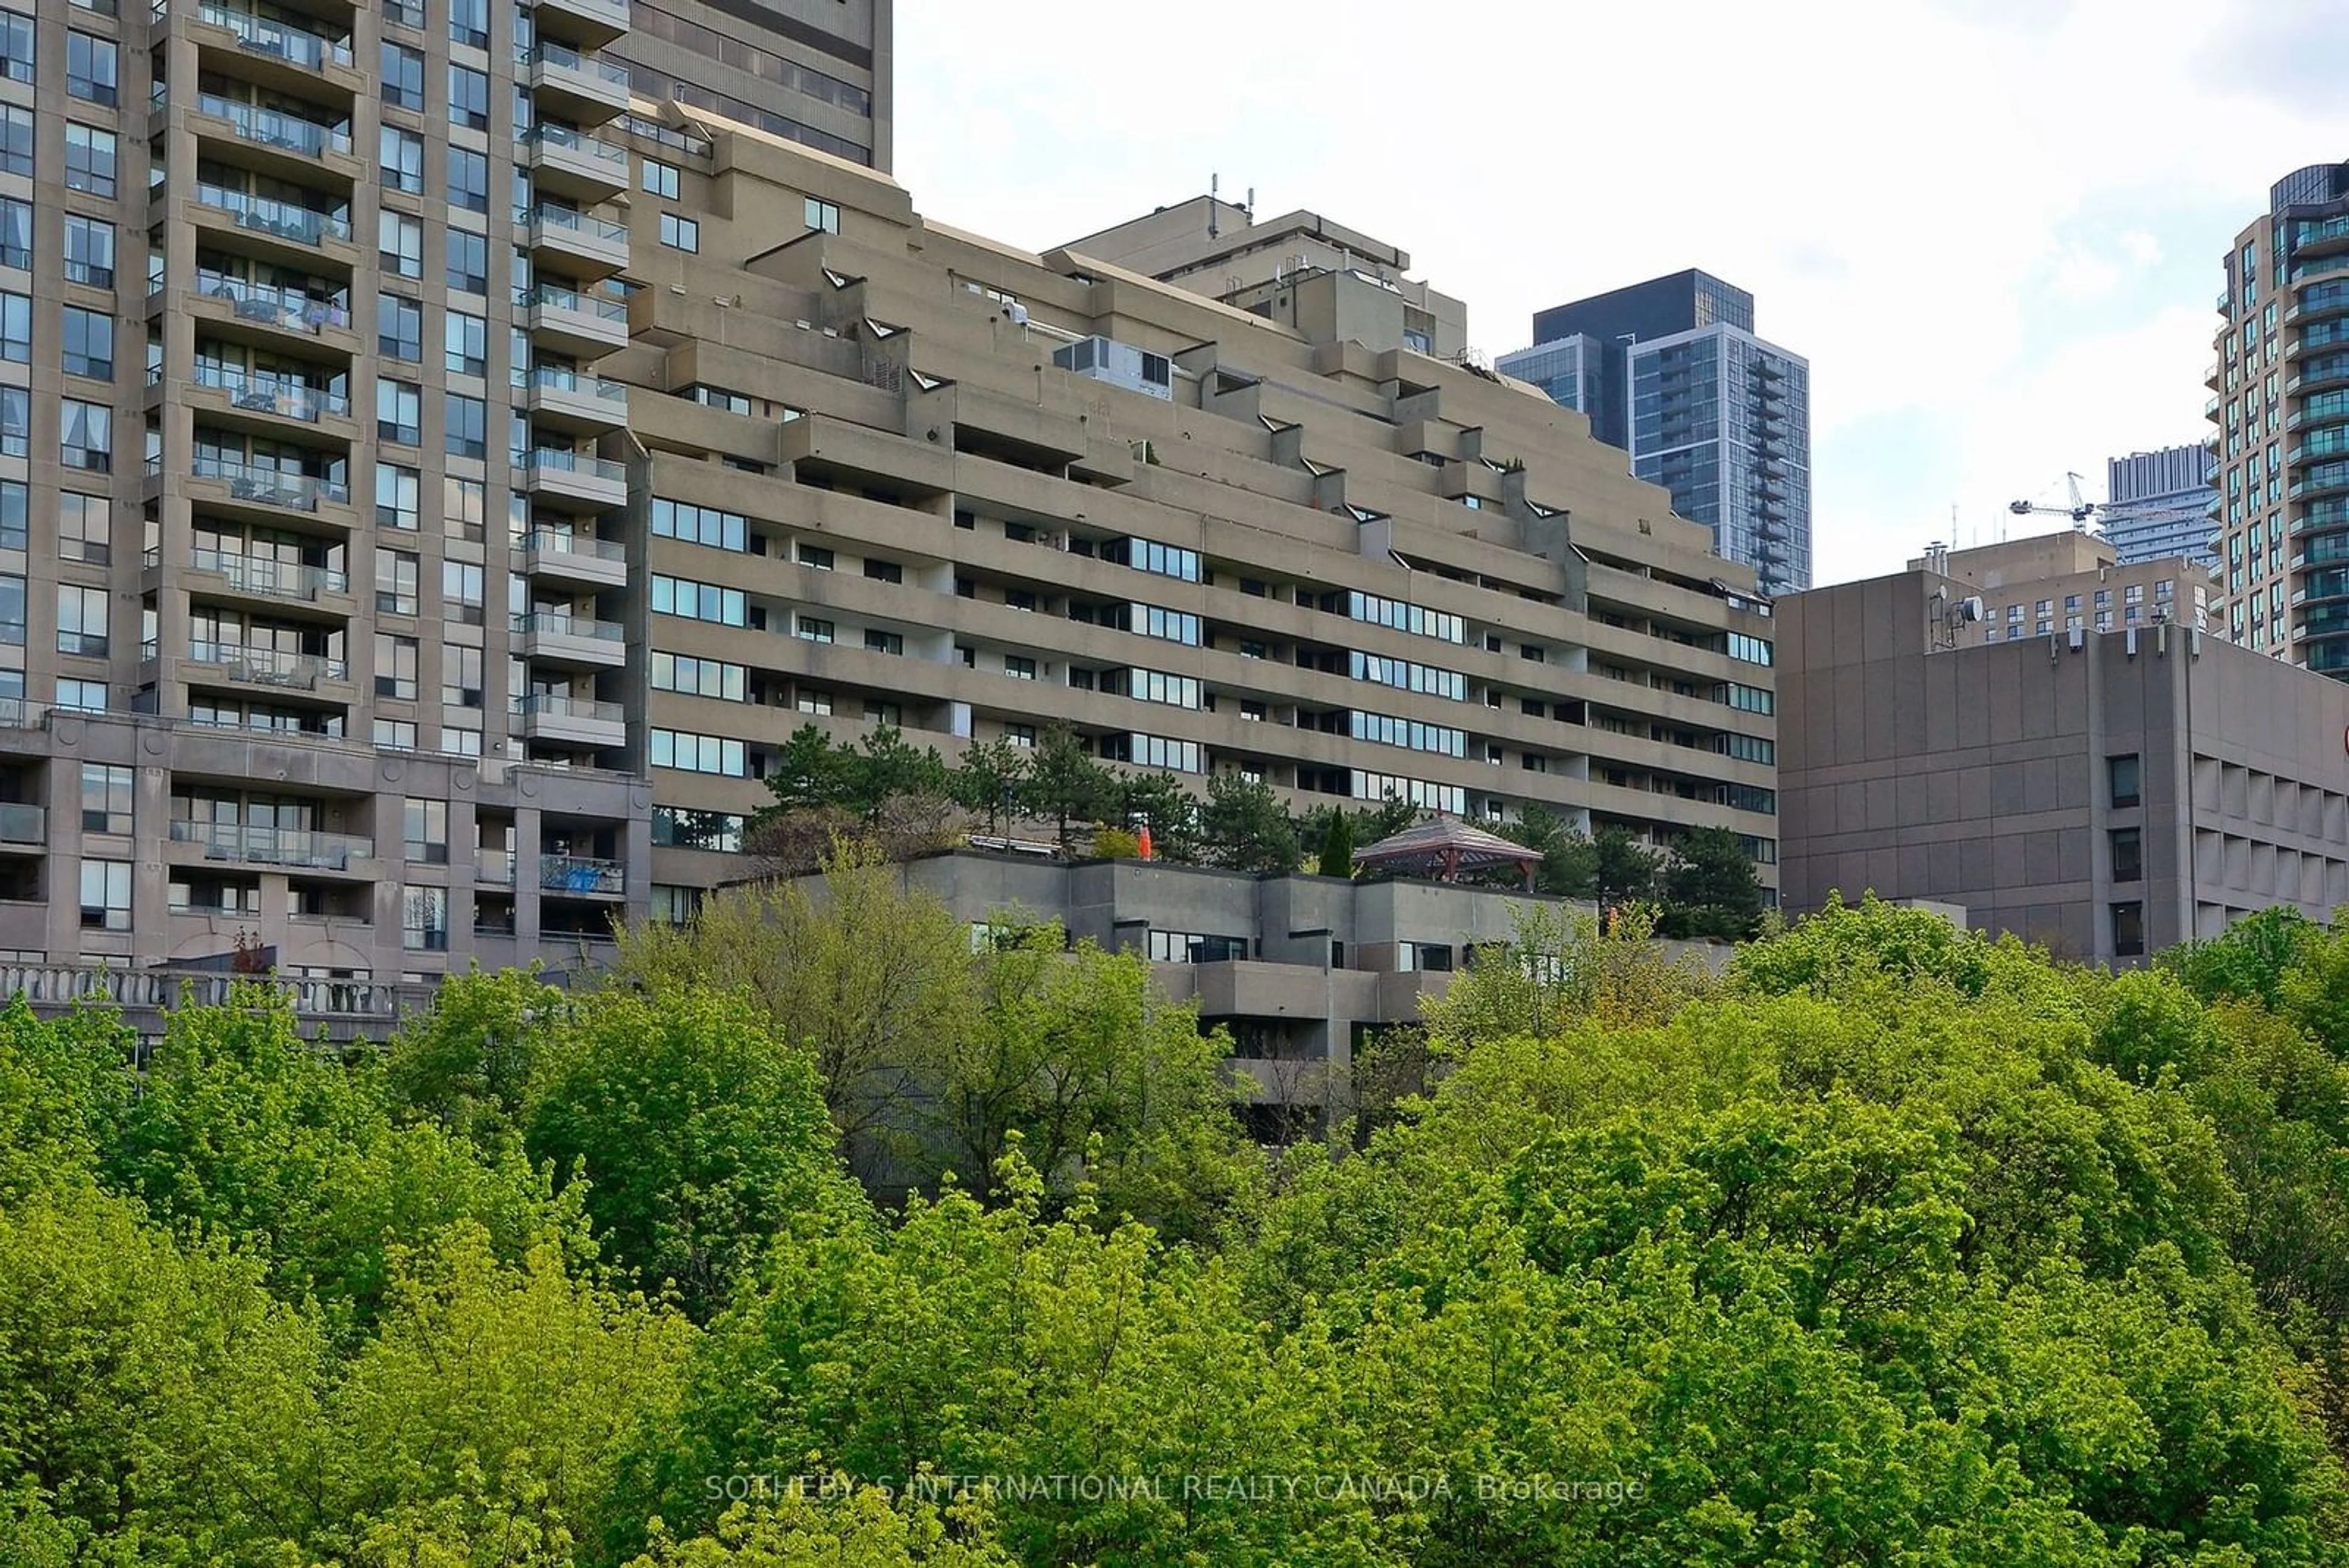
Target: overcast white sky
column 1994, row 226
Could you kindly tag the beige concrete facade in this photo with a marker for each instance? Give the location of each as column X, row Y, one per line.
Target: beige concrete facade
column 1219, row 249
column 2070, row 581
column 2110, row 793
column 655, row 440
column 1230, row 545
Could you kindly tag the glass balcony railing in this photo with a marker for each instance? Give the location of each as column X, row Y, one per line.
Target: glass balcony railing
column 554, row 705
column 278, row 39
column 16, row 713
column 553, row 296
column 2226, row 302
column 272, row 394
column 265, row 574
column 2320, row 267
column 270, row 486
column 556, row 379
column 302, row 848
column 279, row 220
column 579, row 545
column 587, row 224
column 495, row 867
column 581, row 874
column 570, row 141
column 23, row 824
column 289, row 309
column 563, row 58
column 545, row 460
column 269, row 666
column 561, row 623
column 274, row 128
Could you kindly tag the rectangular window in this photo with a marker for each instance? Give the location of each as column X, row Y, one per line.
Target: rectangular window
column 16, row 423
column 679, row 234
column 815, row 557
column 396, row 734
column 703, row 601
column 394, row 667
column 2128, row 930
column 2124, row 775
column 823, row 216
column 2129, row 854
column 403, row 78
column 396, row 490
column 699, row 524
column 401, row 245
column 469, row 179
column 89, row 160
column 467, row 433
column 398, row 412
column 424, row 915
column 396, row 577
column 699, row 753
column 469, row 23
column 660, row 178
column 106, row 797
column 1020, row 667
column 698, row 677
column 17, row 328
column 82, row 696
column 398, row 327
column 464, row 344
column 399, row 154
column 469, row 261
column 105, row 895
column 12, row 610
column 462, row 677
column 884, row 571
column 469, row 98
column 86, row 437
column 16, row 139
column 89, row 251
column 84, row 528
column 461, row 592
column 464, row 509
column 424, row 832
column 88, row 344
column 811, row 630
column 876, row 641
column 91, row 74
column 16, row 46
column 15, row 513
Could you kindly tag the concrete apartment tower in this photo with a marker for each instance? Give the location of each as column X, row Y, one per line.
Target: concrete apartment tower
column 2158, row 505
column 1671, row 371
column 435, row 483
column 816, row 72
column 2280, row 407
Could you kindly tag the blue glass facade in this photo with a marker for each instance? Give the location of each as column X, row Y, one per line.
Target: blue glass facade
column 1671, row 371
column 2160, row 505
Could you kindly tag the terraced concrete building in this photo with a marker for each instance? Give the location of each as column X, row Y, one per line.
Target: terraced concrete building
column 433, row 484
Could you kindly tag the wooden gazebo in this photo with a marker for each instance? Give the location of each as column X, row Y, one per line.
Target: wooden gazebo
column 1441, row 847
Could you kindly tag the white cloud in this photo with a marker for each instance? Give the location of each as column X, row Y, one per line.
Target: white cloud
column 1913, row 189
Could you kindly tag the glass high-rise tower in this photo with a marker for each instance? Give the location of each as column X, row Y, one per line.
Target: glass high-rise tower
column 1669, row 370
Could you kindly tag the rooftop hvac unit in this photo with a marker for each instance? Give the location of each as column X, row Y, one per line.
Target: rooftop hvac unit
column 1119, row 364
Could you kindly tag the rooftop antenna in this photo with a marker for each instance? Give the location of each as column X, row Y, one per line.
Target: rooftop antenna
column 1251, row 204
column 1215, row 196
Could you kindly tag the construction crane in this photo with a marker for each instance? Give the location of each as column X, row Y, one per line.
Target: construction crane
column 2079, row 511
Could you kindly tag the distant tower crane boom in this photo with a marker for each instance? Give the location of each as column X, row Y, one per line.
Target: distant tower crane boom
column 2079, row 511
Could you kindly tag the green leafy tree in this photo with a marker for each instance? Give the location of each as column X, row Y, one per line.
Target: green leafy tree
column 468, row 1062
column 63, row 1094
column 1064, row 785
column 698, row 1130
column 1245, row 827
column 810, row 773
column 1568, row 867
column 2247, row 959
column 812, row 1526
column 1712, row 888
column 870, row 977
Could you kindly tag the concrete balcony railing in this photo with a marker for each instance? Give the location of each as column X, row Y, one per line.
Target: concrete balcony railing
column 582, row 875
column 298, row 849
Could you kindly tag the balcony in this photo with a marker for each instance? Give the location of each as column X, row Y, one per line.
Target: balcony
column 2323, row 266
column 271, row 667
column 232, row 486
column 296, row 848
column 274, row 230
column 2227, row 302
column 16, row 713
column 273, row 141
column 569, row 322
column 577, row 244
column 2320, row 375
column 589, row 23
column 2320, row 303
column 2327, row 444
column 577, row 559
column 274, row 53
column 2320, row 238
column 495, row 867
column 557, row 637
column 2321, row 411
column 23, row 826
column 2214, row 375
column 564, row 163
column 576, row 401
column 266, row 577
column 581, row 877
column 263, row 316
column 571, row 86
column 571, row 721
column 571, row 481
column 262, row 402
